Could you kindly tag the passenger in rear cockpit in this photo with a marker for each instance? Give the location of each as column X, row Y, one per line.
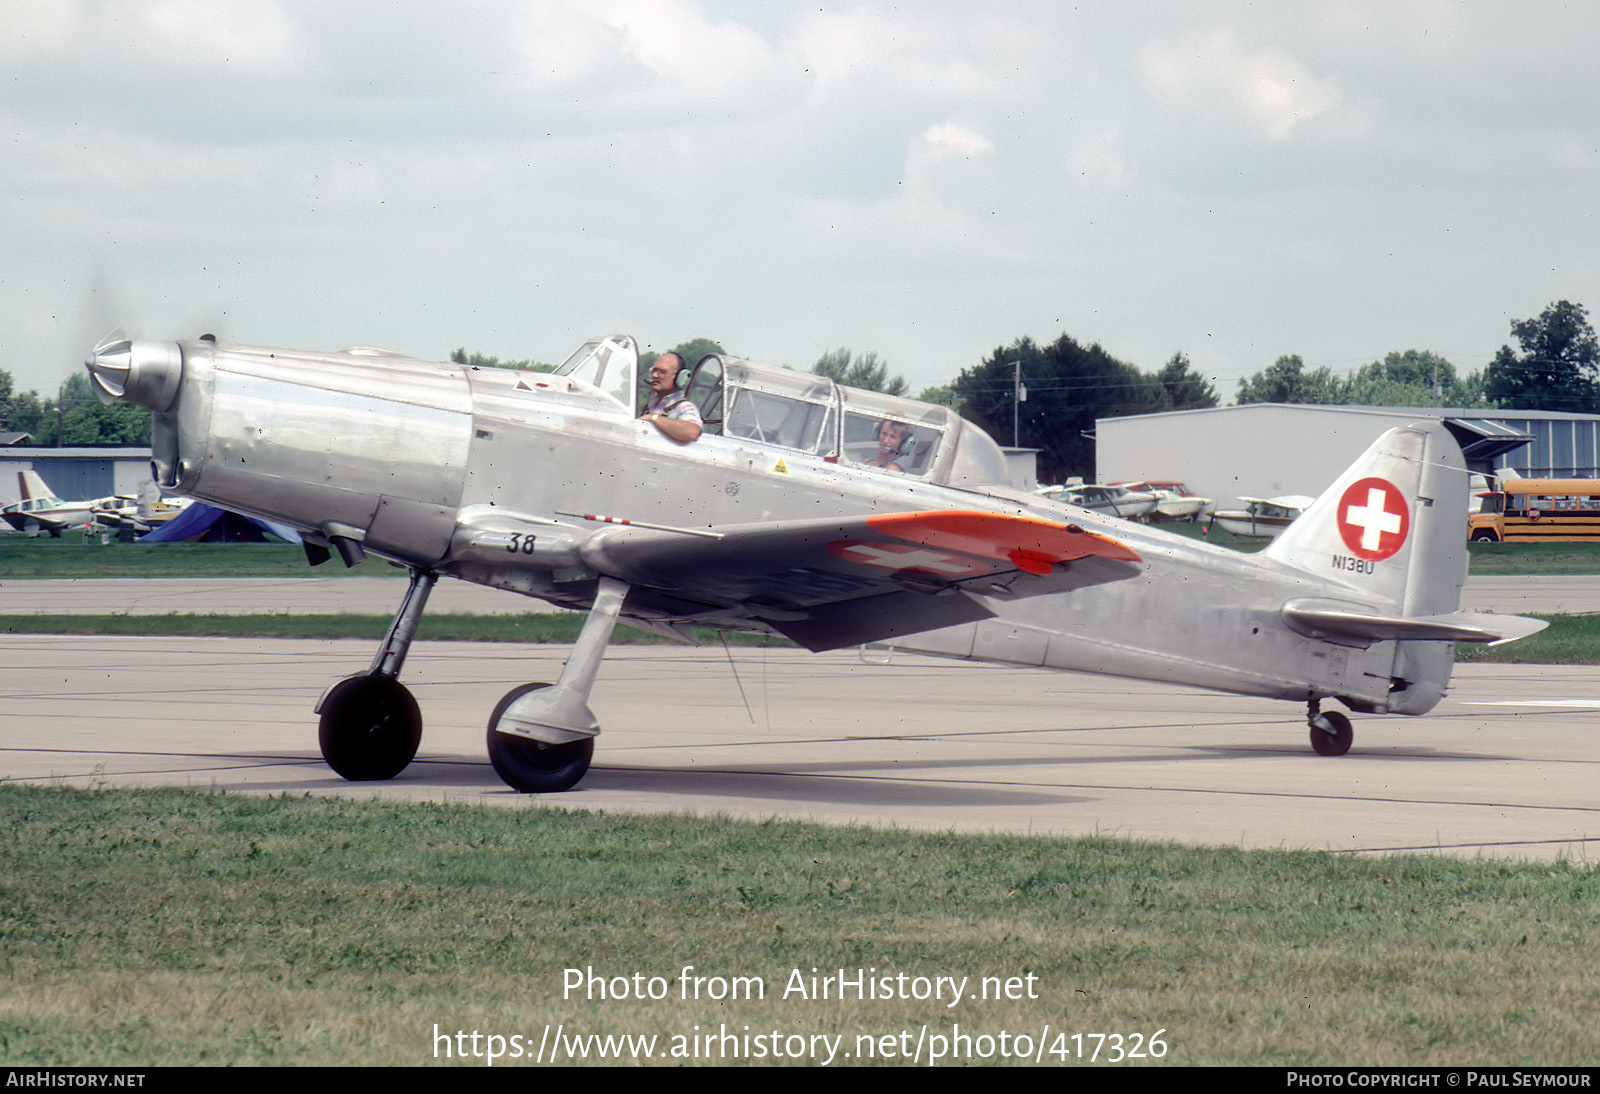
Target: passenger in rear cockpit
column 893, row 437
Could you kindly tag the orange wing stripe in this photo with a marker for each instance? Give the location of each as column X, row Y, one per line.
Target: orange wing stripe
column 1028, row 543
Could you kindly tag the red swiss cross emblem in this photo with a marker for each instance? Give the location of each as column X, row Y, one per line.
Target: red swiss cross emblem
column 1373, row 518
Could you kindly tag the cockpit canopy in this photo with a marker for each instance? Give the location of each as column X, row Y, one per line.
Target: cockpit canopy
column 609, row 365
column 803, row 413
column 810, row 414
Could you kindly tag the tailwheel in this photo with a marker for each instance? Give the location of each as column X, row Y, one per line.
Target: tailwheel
column 370, row 728
column 535, row 767
column 1331, row 733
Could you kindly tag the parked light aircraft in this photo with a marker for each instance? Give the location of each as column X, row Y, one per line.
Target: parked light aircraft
column 41, row 511
column 137, row 514
column 1173, row 499
column 1262, row 518
column 549, row 486
column 1116, row 500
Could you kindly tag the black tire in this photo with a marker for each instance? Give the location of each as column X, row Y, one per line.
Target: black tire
column 1336, row 739
column 534, row 767
column 370, row 728
column 1484, row 535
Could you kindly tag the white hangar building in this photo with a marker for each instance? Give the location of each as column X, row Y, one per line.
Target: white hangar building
column 75, row 473
column 1265, row 450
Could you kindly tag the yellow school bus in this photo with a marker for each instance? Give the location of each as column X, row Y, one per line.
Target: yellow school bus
column 1537, row 510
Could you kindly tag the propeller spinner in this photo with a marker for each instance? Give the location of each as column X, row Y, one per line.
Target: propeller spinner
column 146, row 374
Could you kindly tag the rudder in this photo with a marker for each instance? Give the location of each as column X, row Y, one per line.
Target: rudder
column 1392, row 527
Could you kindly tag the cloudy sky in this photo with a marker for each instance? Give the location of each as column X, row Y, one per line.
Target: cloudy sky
column 926, row 180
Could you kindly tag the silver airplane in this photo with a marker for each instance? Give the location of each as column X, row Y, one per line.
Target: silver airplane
column 548, row 485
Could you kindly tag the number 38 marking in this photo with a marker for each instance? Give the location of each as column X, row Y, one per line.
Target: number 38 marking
column 521, row 544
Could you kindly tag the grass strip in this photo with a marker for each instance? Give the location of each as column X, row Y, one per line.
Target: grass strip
column 1533, row 559
column 71, row 557
column 550, row 627
column 1484, row 559
column 1569, row 640
column 175, row 927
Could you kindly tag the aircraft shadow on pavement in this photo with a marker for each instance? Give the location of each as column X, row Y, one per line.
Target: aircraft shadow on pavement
column 865, row 790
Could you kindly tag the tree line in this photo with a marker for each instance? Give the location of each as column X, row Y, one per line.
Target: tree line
column 1065, row 385
column 1555, row 367
column 73, row 417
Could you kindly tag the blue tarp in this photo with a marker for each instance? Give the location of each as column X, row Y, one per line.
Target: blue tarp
column 202, row 523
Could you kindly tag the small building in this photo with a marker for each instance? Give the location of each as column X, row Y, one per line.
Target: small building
column 76, row 474
column 1024, row 466
column 1269, row 449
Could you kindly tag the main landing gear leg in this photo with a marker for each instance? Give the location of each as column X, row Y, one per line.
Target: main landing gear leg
column 541, row 736
column 1331, row 732
column 370, row 726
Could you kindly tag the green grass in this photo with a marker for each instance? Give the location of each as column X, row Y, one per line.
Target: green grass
column 174, row 927
column 1534, row 559
column 1569, row 640
column 1513, row 559
column 548, row 627
column 72, row 557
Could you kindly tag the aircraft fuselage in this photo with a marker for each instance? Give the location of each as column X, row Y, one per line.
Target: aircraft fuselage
column 475, row 472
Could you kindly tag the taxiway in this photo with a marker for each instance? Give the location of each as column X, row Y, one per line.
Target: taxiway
column 1505, row 767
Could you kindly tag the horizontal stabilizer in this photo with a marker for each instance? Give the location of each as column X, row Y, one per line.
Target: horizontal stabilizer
column 1334, row 621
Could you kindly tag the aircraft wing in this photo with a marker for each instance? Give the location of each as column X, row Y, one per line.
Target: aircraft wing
column 44, row 521
column 840, row 582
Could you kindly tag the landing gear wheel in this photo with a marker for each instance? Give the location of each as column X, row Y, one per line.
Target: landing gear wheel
column 534, row 767
column 370, row 728
column 1331, row 734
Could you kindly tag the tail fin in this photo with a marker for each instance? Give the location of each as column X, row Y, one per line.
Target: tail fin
column 1393, row 527
column 32, row 486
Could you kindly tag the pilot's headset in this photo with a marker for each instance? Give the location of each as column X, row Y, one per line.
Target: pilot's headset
column 681, row 380
column 682, row 376
column 908, row 443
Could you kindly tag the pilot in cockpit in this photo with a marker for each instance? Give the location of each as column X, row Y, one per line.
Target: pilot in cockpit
column 669, row 408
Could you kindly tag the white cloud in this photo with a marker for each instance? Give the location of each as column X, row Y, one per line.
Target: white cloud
column 1102, row 163
column 949, row 141
column 668, row 38
column 30, row 28
column 1214, row 72
column 564, row 44
column 673, row 40
column 255, row 34
column 939, row 205
column 251, row 35
column 922, row 51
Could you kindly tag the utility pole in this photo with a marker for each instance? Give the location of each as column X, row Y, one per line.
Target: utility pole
column 1019, row 395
